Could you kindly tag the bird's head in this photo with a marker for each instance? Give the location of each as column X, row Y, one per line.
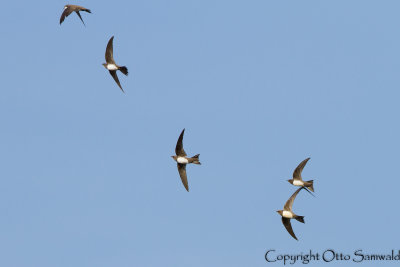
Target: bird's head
column 174, row 157
column 280, row 212
column 290, row 181
column 105, row 65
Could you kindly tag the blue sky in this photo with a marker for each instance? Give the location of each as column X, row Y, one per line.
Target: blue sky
column 86, row 173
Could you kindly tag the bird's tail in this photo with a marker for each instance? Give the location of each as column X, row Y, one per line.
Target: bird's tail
column 87, row 10
column 299, row 218
column 311, row 187
column 196, row 159
column 124, row 70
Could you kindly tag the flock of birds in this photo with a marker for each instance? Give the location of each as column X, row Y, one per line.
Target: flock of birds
column 181, row 157
column 110, row 63
column 287, row 212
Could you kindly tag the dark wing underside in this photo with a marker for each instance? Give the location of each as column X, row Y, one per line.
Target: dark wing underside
column 114, row 75
column 289, row 203
column 109, row 52
column 79, row 15
column 299, row 169
column 182, row 174
column 67, row 11
column 179, row 146
column 288, row 226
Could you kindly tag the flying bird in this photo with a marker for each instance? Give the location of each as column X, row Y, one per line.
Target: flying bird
column 288, row 214
column 111, row 66
column 68, row 9
column 182, row 160
column 298, row 181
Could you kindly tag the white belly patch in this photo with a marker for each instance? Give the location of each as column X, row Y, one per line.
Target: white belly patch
column 287, row 214
column 182, row 160
column 111, row 67
column 298, row 183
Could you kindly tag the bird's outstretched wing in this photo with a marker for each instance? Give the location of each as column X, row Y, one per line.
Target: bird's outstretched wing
column 288, row 226
column 182, row 174
column 67, row 11
column 109, row 52
column 179, row 146
column 289, row 203
column 299, row 169
column 79, row 15
column 114, row 75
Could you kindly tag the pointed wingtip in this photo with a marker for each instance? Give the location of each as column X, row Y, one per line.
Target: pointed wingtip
column 186, row 187
column 308, row 191
column 120, row 87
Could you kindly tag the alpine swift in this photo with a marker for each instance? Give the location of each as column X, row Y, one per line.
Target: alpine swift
column 298, row 181
column 111, row 65
column 182, row 160
column 288, row 214
column 68, row 9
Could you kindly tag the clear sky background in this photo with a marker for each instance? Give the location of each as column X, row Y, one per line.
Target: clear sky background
column 86, row 173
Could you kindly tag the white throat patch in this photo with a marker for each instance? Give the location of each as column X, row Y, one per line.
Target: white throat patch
column 287, row 214
column 182, row 160
column 112, row 67
column 298, row 183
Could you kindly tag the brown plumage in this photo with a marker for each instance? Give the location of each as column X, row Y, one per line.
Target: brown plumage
column 298, row 180
column 289, row 203
column 111, row 66
column 182, row 160
column 287, row 209
column 68, row 9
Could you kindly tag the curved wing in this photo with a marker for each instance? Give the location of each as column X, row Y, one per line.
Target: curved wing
column 114, row 75
column 182, row 174
column 288, row 226
column 299, row 169
column 179, row 146
column 79, row 15
column 289, row 203
column 67, row 11
column 109, row 51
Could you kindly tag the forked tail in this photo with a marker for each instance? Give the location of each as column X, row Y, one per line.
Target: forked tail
column 311, row 187
column 124, row 70
column 300, row 218
column 196, row 159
